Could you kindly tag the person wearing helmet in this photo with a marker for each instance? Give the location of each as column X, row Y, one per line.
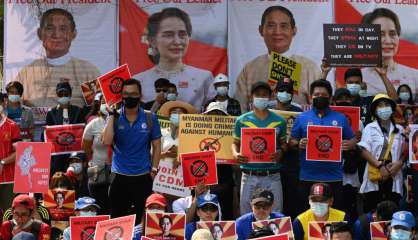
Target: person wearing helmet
column 221, row 85
column 384, row 140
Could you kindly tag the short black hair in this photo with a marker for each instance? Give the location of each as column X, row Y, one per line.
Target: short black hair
column 15, row 84
column 132, row 81
column 353, row 72
column 281, row 9
column 340, row 227
column 161, row 82
column 60, row 11
column 385, row 210
column 171, row 85
column 321, row 83
column 411, row 96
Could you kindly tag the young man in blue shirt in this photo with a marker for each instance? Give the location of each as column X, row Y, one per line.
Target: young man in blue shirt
column 133, row 166
column 260, row 175
column 315, row 171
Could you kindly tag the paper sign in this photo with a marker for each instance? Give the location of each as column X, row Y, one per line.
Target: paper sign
column 60, row 203
column 170, row 180
column 352, row 114
column 221, row 230
column 275, row 237
column 207, row 132
column 413, row 143
column 324, row 143
column 258, row 143
column 89, row 90
column 278, row 226
column 318, row 231
column 83, row 228
column 121, row 228
column 164, row 122
column 64, row 138
column 165, row 226
column 353, row 45
column 199, row 167
column 32, row 167
column 111, row 84
column 282, row 67
column 378, row 230
column 146, row 238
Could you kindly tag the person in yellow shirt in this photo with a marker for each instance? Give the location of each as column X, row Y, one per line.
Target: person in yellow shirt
column 320, row 200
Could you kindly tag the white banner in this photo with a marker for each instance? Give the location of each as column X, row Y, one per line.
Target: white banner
column 170, row 180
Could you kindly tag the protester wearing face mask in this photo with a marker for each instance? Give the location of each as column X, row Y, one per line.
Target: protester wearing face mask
column 260, row 175
column 321, row 115
column 99, row 157
column 402, row 226
column 384, row 139
column 18, row 112
column 405, row 95
column 84, row 207
column 134, row 164
column 161, row 88
column 320, row 202
column 221, row 85
column 77, row 173
column 23, row 208
column 284, row 96
column 262, row 202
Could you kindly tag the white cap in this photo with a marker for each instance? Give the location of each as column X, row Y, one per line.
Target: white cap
column 220, row 78
column 202, row 234
column 216, row 106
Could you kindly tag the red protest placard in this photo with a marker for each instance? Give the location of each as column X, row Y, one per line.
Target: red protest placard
column 146, row 238
column 319, row 230
column 121, row 228
column 352, row 114
column 165, row 226
column 378, row 230
column 199, row 167
column 278, row 226
column 284, row 236
column 111, row 84
column 83, row 228
column 258, row 143
column 60, row 203
column 89, row 90
column 221, row 230
column 32, row 167
column 324, row 143
column 64, row 138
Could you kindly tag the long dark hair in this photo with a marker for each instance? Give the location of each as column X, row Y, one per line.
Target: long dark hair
column 410, row 101
column 95, row 108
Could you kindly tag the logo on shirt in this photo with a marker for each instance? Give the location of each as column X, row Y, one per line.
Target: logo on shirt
column 183, row 84
column 334, row 123
column 258, row 145
column 143, row 125
column 115, row 85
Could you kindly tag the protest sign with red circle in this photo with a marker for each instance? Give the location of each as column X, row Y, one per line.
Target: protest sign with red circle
column 199, row 167
column 324, row 143
column 258, row 143
column 111, row 84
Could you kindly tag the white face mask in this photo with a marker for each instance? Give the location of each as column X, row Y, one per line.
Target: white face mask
column 222, row 91
column 88, row 213
column 78, row 167
column 319, row 209
column 103, row 109
column 384, row 113
column 63, row 100
column 155, row 211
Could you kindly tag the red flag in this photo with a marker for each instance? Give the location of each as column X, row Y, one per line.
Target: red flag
column 258, row 143
column 64, row 138
column 199, row 167
column 32, row 167
column 83, row 228
column 324, row 143
column 111, row 84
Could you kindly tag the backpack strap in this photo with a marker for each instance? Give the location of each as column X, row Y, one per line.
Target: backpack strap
column 36, row 228
column 365, row 225
column 148, row 115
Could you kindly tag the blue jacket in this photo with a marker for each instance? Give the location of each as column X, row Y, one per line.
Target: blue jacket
column 244, row 224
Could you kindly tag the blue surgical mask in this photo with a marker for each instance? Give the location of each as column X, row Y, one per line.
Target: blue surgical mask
column 64, row 100
column 260, row 103
column 88, row 213
column 222, row 91
column 319, row 209
column 171, row 97
column 78, row 167
column 354, row 89
column 363, row 93
column 399, row 234
column 14, row 98
column 384, row 113
column 404, row 96
column 175, row 119
column 284, row 97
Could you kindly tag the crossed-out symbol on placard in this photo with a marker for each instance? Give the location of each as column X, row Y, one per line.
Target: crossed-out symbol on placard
column 199, row 168
column 258, row 145
column 324, row 143
column 65, row 139
column 87, row 233
column 115, row 85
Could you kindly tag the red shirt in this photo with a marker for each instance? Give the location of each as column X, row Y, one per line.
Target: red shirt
column 6, row 231
column 9, row 134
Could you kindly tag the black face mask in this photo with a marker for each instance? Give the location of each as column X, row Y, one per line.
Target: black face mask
column 343, row 103
column 321, row 103
column 130, row 102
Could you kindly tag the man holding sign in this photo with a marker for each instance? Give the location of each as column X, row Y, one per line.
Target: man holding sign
column 260, row 175
column 320, row 115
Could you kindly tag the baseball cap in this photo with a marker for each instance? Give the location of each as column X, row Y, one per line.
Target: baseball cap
column 258, row 85
column 262, row 195
column 341, row 92
column 220, row 78
column 285, row 84
column 84, row 202
column 208, row 198
column 320, row 190
column 156, row 198
column 215, row 106
column 24, row 200
column 24, row 236
column 403, row 218
column 63, row 86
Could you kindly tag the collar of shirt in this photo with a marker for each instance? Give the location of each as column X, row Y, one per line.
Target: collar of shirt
column 59, row 60
column 123, row 114
column 316, row 111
